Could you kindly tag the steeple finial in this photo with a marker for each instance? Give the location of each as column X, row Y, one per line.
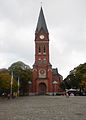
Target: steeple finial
column 41, row 3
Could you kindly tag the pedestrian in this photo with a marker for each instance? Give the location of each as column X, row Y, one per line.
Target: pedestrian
column 3, row 95
column 67, row 95
column 71, row 94
column 8, row 96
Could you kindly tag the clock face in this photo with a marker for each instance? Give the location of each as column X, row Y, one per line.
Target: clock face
column 41, row 36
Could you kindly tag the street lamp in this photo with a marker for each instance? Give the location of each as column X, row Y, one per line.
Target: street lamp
column 29, row 83
column 54, row 84
column 18, row 85
column 11, row 84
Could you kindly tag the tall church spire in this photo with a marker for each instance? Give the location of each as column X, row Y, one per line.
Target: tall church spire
column 41, row 22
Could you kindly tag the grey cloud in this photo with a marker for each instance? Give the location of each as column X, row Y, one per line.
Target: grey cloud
column 66, row 21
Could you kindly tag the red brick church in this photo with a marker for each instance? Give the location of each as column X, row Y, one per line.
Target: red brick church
column 46, row 80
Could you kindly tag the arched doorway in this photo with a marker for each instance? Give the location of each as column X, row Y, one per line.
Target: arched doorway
column 42, row 89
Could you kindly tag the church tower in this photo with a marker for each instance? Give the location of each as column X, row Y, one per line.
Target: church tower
column 45, row 80
column 42, row 69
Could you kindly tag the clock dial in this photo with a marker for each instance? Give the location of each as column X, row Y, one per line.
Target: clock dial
column 41, row 36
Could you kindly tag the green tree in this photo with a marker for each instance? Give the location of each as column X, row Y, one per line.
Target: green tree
column 24, row 73
column 5, row 81
column 76, row 77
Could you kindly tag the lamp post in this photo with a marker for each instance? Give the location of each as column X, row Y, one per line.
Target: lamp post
column 54, row 84
column 18, row 85
column 29, row 83
column 11, row 84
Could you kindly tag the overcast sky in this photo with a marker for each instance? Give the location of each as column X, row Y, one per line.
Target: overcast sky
column 66, row 22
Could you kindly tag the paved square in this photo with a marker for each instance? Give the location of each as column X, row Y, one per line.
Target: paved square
column 43, row 108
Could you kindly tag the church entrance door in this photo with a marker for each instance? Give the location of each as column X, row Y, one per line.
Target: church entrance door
column 42, row 89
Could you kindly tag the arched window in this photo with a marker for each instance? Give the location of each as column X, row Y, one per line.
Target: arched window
column 44, row 61
column 39, row 61
column 39, row 49
column 44, row 49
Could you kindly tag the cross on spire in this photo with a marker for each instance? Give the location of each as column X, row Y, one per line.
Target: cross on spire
column 41, row 3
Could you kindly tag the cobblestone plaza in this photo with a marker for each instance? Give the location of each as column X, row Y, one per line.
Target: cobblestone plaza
column 43, row 108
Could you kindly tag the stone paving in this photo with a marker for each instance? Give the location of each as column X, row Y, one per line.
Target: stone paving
column 43, row 108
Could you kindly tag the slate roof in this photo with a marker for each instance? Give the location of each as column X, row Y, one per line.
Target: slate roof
column 41, row 22
column 55, row 71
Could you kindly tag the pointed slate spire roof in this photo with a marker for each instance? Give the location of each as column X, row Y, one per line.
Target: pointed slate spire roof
column 41, row 22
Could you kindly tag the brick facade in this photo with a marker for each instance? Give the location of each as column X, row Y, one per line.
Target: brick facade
column 43, row 74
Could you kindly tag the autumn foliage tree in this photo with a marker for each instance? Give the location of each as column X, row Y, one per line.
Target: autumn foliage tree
column 76, row 78
column 5, row 81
